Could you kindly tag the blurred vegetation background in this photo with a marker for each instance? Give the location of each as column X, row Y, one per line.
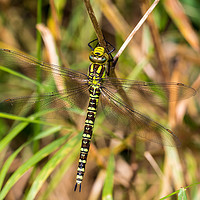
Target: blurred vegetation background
column 40, row 160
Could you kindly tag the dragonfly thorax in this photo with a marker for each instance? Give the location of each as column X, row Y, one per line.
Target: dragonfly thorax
column 95, row 79
column 96, row 74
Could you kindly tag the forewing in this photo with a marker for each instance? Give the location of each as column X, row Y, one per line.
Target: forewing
column 10, row 57
column 140, row 91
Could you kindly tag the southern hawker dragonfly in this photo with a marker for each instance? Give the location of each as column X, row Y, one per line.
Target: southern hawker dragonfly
column 96, row 86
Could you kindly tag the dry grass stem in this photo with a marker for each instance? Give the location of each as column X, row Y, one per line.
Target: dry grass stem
column 137, row 27
column 153, row 163
column 177, row 13
column 51, row 49
column 95, row 23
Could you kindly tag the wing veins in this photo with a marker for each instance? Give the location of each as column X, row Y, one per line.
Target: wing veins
column 170, row 91
column 64, row 72
column 143, row 122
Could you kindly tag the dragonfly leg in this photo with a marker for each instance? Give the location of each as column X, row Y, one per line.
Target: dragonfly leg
column 76, row 187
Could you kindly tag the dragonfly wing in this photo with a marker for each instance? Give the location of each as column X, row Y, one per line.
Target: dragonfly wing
column 140, row 91
column 30, row 64
column 74, row 88
column 144, row 127
column 60, row 100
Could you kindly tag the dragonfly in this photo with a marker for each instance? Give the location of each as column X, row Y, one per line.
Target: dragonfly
column 97, row 86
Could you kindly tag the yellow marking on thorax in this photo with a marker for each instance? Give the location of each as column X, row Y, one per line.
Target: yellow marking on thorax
column 92, row 68
column 99, row 69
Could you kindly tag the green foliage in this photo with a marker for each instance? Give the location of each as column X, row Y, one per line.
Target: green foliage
column 108, row 185
column 51, row 152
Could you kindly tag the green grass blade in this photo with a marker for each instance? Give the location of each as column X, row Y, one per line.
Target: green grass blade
column 169, row 195
column 9, row 161
column 108, row 186
column 14, row 132
column 30, row 163
column 10, row 71
column 37, row 127
column 47, row 132
column 182, row 194
column 18, row 128
column 51, row 165
column 7, row 164
column 30, row 119
column 39, row 38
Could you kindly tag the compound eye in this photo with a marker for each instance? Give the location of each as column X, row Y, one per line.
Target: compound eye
column 102, row 60
column 96, row 59
column 92, row 58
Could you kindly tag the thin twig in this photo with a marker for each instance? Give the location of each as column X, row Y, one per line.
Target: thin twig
column 140, row 23
column 95, row 23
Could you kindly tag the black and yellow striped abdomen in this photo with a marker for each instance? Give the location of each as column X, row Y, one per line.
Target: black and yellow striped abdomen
column 96, row 73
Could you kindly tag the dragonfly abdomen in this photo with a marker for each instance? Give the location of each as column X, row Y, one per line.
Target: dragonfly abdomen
column 87, row 135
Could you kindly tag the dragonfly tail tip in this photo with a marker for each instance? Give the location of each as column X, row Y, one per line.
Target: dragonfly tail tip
column 76, row 187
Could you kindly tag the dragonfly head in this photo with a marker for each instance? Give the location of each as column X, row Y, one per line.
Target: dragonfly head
column 98, row 56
